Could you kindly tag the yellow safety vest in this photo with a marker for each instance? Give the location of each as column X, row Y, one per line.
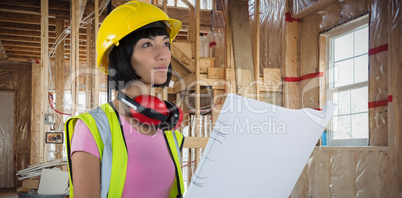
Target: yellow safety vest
column 105, row 126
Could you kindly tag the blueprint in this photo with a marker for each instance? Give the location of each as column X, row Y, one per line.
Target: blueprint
column 257, row 149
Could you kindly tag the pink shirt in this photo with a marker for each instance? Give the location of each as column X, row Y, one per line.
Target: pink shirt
column 150, row 169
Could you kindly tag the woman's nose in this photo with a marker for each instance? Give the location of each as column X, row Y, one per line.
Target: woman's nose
column 163, row 53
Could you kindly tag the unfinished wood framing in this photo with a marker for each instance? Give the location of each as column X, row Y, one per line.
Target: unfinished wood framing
column 197, row 78
column 239, row 25
column 27, row 31
column 291, row 65
column 59, row 84
column 394, row 176
column 75, row 26
column 44, row 78
column 256, row 50
column 95, row 79
column 88, row 73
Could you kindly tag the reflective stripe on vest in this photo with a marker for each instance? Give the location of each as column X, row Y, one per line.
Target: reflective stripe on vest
column 114, row 167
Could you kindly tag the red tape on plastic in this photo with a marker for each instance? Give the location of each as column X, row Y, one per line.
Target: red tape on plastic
column 289, row 18
column 304, row 77
column 380, row 103
column 378, row 49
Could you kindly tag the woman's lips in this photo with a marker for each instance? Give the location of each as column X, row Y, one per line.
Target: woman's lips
column 161, row 68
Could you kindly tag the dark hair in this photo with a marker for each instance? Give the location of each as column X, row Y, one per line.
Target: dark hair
column 121, row 72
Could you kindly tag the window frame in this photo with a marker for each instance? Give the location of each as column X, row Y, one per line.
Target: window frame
column 352, row 26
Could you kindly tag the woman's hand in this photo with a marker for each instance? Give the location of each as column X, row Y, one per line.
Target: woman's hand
column 86, row 175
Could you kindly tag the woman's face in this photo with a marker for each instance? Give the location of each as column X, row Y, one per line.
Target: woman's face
column 151, row 58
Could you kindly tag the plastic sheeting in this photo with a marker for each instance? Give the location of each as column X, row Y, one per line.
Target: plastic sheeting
column 272, row 17
column 344, row 172
column 16, row 77
column 7, row 119
column 330, row 16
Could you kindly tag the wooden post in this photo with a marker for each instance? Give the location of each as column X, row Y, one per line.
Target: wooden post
column 197, row 78
column 164, row 6
column 165, row 90
column 291, row 64
column 239, row 25
column 44, row 77
column 59, row 83
column 74, row 57
column 394, row 178
column 256, row 55
column 95, row 79
column 88, row 74
column 231, row 83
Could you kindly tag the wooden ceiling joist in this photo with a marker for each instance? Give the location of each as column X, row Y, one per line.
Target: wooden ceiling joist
column 9, row 32
column 24, row 18
column 23, row 26
column 34, row 11
column 53, row 4
column 30, row 49
column 33, row 39
column 31, row 27
column 32, row 45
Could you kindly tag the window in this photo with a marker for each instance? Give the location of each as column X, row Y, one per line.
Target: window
column 204, row 4
column 348, row 83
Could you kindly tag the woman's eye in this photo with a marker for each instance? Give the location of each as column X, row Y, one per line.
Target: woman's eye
column 147, row 45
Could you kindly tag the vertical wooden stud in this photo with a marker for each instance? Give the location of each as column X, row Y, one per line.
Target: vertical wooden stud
column 59, row 83
column 44, row 77
column 88, row 73
column 291, row 64
column 197, row 77
column 394, row 174
column 95, row 79
column 256, row 55
column 74, row 60
column 239, row 23
column 165, row 90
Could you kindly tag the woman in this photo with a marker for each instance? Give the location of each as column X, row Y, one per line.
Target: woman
column 119, row 149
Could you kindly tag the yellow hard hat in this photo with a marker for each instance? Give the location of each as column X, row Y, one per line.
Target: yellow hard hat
column 125, row 19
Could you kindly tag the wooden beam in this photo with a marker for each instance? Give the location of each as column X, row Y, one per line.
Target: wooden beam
column 82, row 5
column 95, row 79
column 256, row 55
column 311, row 8
column 30, row 27
column 29, row 33
column 164, row 90
column 44, row 76
column 14, row 44
column 195, row 142
column 197, row 78
column 291, row 65
column 2, row 52
column 53, row 4
column 22, row 26
column 182, row 58
column 24, row 18
column 394, row 110
column 31, row 39
column 229, row 63
column 74, row 56
column 88, row 75
column 5, row 7
column 239, row 24
column 188, row 4
column 179, row 70
column 59, row 84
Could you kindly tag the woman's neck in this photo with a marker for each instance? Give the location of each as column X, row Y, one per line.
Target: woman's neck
column 133, row 91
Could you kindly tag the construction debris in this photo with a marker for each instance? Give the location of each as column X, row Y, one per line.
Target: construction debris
column 36, row 169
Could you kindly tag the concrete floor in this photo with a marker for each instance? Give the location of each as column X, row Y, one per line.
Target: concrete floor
column 8, row 193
